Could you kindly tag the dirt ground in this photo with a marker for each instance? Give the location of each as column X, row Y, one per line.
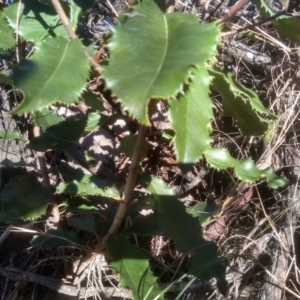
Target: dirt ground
column 257, row 233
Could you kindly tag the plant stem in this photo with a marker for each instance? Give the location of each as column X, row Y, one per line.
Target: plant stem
column 129, row 187
column 64, row 19
column 46, row 180
column 137, row 152
column 251, row 26
column 233, row 10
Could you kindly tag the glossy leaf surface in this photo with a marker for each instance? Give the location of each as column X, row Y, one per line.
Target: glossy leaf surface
column 89, row 185
column 84, row 184
column 241, row 103
column 158, row 50
column 245, row 169
column 190, row 117
column 7, row 40
column 46, row 118
column 53, row 74
column 133, row 267
column 34, row 21
column 203, row 211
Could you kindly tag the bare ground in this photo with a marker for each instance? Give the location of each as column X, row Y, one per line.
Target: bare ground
column 257, row 230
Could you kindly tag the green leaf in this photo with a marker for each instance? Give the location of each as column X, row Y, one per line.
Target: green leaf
column 75, row 14
column 24, row 198
column 203, row 211
column 55, row 239
column 7, row 40
column 241, row 103
column 68, row 173
column 181, row 227
column 6, row 77
column 84, row 4
column 93, row 101
column 57, row 72
column 127, row 145
column 287, row 26
column 245, row 169
column 93, row 122
column 83, row 222
column 88, row 185
column 81, row 155
column 190, row 117
column 158, row 50
column 149, row 226
column 46, row 118
column 77, row 7
column 220, row 158
column 270, row 133
column 166, row 135
column 80, row 205
column 34, row 21
column 63, row 135
column 133, row 267
column 11, row 135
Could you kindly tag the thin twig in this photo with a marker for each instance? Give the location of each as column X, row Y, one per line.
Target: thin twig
column 17, row 32
column 131, row 179
column 64, row 19
column 230, row 14
column 58, row 285
column 233, row 10
column 281, row 284
column 205, row 10
column 129, row 187
column 252, row 26
column 5, row 234
column 46, row 180
column 214, row 11
column 112, row 8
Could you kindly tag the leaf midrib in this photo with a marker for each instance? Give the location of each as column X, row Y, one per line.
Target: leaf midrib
column 56, row 70
column 163, row 58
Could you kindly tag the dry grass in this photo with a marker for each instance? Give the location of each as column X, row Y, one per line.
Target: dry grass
column 261, row 244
